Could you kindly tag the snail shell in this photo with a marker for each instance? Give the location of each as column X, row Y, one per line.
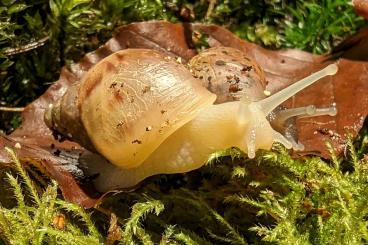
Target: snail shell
column 229, row 73
column 127, row 105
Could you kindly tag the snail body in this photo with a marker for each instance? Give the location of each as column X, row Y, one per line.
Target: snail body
column 146, row 114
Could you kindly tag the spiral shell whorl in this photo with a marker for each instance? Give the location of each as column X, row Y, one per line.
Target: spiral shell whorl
column 133, row 100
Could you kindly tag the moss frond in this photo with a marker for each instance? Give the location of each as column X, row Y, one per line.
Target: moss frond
column 79, row 212
column 37, row 220
column 189, row 238
column 233, row 237
column 133, row 229
column 28, row 183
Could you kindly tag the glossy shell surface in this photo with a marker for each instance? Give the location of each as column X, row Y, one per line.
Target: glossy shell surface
column 132, row 100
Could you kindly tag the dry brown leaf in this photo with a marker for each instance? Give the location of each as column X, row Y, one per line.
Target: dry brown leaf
column 361, row 7
column 347, row 89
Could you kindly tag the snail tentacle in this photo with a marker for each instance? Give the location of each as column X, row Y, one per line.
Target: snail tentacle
column 307, row 111
column 288, row 143
column 328, row 111
column 282, row 120
column 270, row 103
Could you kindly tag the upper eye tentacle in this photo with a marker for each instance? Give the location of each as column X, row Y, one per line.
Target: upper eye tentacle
column 270, row 103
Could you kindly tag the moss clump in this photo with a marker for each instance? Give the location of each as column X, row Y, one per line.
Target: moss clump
column 232, row 200
column 40, row 219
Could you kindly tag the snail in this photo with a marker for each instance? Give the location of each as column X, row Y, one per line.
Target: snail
column 147, row 114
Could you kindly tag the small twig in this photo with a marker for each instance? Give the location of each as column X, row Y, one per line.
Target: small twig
column 211, row 6
column 11, row 109
column 27, row 47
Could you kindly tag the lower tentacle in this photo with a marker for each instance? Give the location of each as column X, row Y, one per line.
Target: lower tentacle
column 283, row 120
column 296, row 145
column 251, row 143
column 281, row 139
column 308, row 111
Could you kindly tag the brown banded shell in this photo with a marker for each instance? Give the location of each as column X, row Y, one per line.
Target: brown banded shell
column 134, row 94
column 229, row 73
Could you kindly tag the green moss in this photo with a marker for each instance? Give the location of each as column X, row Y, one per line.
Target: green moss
column 33, row 219
column 232, row 200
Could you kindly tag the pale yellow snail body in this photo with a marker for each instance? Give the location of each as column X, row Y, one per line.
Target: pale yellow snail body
column 148, row 115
